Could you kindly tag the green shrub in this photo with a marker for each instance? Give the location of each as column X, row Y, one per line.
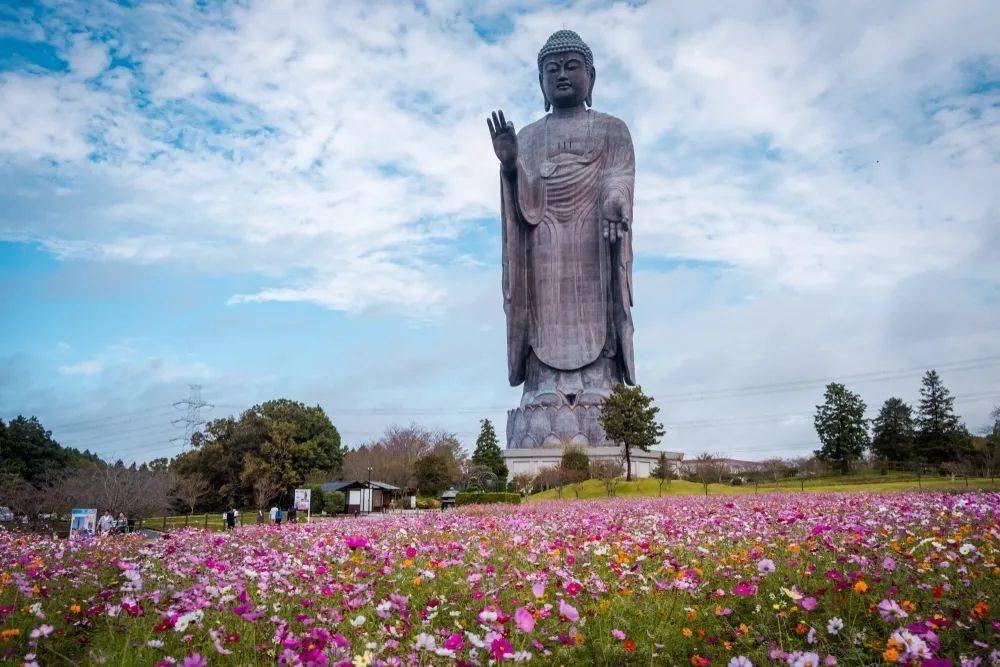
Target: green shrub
column 479, row 498
column 333, row 502
column 428, row 503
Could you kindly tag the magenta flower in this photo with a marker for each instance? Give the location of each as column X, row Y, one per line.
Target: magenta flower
column 538, row 589
column 808, row 603
column 618, row 634
column 356, row 542
column 888, row 563
column 524, row 620
column 454, row 642
column 745, row 588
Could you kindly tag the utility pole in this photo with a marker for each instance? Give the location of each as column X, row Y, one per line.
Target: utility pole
column 191, row 421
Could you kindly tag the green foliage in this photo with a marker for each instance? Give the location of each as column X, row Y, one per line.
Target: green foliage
column 28, row 451
column 841, row 427
column 575, row 464
column 432, row 474
column 315, row 499
column 333, row 502
column 629, row 418
column 425, row 503
column 487, row 453
column 940, row 436
column 892, row 431
column 465, row 498
column 281, row 440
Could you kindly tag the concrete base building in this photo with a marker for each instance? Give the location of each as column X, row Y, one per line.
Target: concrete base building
column 531, row 461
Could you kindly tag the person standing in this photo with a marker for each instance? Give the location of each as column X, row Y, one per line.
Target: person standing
column 293, row 515
column 277, row 516
column 274, row 514
column 105, row 523
column 260, row 516
column 230, row 518
column 121, row 524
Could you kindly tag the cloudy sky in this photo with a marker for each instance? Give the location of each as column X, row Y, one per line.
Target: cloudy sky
column 299, row 199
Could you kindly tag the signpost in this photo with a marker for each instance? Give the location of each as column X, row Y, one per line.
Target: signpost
column 303, row 501
column 83, row 523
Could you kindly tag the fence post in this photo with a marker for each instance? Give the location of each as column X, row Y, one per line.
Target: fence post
column 206, row 520
column 164, row 522
column 187, row 518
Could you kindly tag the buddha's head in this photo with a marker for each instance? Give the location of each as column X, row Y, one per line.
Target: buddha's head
column 566, row 71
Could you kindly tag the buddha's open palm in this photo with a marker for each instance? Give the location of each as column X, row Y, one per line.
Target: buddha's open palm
column 504, row 139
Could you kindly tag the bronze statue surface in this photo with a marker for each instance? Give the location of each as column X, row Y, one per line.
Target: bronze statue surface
column 566, row 185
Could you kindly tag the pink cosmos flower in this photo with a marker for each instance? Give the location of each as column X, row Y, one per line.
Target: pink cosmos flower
column 808, row 603
column 568, row 612
column 745, row 588
column 765, row 566
column 356, row 542
column 524, row 620
column 891, row 611
column 538, row 589
column 618, row 634
column 888, row 563
column 501, row 648
column 195, row 660
column 740, row 661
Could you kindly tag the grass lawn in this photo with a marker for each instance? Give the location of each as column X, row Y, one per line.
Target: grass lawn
column 650, row 487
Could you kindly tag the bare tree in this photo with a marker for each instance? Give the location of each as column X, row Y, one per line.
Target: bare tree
column 137, row 492
column 265, row 488
column 609, row 471
column 190, row 489
column 524, row 482
column 707, row 469
column 393, row 457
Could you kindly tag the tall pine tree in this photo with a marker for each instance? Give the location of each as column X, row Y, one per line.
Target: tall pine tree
column 841, row 427
column 487, row 454
column 892, row 431
column 940, row 436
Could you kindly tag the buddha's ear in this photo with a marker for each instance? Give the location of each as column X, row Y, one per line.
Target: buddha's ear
column 589, row 101
column 548, row 105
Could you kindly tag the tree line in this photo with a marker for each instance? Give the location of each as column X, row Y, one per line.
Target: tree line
column 931, row 437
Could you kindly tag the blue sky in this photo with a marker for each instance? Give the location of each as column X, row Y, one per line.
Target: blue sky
column 300, row 200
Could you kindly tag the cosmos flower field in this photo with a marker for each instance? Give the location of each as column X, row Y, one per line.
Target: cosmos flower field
column 852, row 579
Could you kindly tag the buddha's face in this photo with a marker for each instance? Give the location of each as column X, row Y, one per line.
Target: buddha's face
column 566, row 80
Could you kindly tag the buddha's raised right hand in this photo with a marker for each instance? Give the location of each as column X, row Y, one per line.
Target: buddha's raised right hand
column 504, row 140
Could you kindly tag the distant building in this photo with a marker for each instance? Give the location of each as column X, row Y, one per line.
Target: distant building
column 360, row 498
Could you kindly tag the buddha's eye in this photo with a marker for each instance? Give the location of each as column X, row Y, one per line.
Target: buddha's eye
column 573, row 64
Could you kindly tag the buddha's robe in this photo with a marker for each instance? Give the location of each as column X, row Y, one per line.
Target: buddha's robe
column 567, row 290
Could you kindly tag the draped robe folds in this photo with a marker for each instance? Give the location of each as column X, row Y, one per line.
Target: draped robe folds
column 567, row 290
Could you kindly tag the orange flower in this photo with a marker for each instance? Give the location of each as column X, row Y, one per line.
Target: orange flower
column 860, row 586
column 74, row 609
column 687, row 632
column 698, row 661
column 11, row 632
column 908, row 606
column 801, row 628
column 980, row 610
column 890, row 655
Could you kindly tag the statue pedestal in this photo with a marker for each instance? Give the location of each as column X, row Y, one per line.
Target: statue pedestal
column 543, row 426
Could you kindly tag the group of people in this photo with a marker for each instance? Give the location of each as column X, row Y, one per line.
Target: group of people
column 277, row 515
column 108, row 525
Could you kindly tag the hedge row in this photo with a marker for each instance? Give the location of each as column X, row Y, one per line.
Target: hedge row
column 479, row 498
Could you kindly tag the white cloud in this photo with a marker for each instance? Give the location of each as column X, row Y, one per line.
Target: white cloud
column 87, row 367
column 837, row 164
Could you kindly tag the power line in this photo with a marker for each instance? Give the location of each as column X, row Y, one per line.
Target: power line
column 119, row 415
